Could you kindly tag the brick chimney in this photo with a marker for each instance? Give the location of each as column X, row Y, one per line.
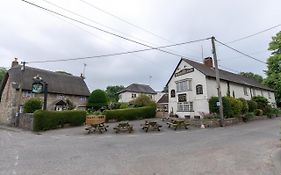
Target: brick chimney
column 15, row 62
column 208, row 61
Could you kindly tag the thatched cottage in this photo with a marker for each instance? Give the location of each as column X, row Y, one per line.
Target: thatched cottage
column 63, row 90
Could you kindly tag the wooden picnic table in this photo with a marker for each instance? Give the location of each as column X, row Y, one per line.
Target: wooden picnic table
column 151, row 125
column 123, row 126
column 178, row 123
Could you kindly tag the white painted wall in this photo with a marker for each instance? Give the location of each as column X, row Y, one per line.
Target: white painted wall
column 200, row 102
column 126, row 97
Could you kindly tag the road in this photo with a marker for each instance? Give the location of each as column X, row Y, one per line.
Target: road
column 243, row 149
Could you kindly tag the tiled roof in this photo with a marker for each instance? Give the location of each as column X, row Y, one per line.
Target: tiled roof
column 164, row 99
column 139, row 88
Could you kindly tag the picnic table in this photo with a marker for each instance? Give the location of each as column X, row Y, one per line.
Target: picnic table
column 178, row 123
column 123, row 126
column 151, row 125
column 95, row 123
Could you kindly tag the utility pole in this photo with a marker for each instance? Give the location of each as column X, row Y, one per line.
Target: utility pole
column 218, row 81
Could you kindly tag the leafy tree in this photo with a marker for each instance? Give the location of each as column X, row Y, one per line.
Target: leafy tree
column 261, row 101
column 143, row 100
column 32, row 105
column 273, row 79
column 97, row 99
column 112, row 92
column 251, row 75
column 2, row 74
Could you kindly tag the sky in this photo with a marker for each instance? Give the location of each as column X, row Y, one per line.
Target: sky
column 32, row 34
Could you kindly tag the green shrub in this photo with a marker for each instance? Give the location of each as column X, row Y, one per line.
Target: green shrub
column 262, row 102
column 124, row 105
column 248, row 116
column 143, row 100
column 32, row 105
column 45, row 120
column 114, row 105
column 258, row 112
column 236, row 106
column 252, row 105
column 130, row 113
column 97, row 99
column 245, row 107
column 227, row 112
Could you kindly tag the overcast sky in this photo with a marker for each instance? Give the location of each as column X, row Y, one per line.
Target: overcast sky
column 32, row 34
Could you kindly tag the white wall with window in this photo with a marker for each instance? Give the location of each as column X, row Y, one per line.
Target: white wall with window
column 126, row 97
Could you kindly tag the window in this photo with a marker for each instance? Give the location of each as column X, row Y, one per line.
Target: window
column 134, row 95
column 199, row 89
column 245, row 91
column 83, row 98
column 173, row 93
column 261, row 93
column 183, row 86
column 182, row 97
column 269, row 95
column 254, row 92
column 185, row 107
column 27, row 94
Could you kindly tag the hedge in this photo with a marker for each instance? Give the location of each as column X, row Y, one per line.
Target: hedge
column 45, row 120
column 130, row 113
column 226, row 106
column 252, row 105
column 32, row 105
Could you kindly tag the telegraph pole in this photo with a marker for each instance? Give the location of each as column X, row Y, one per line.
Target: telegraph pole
column 218, row 81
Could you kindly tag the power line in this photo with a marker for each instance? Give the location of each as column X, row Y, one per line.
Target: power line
column 248, row 36
column 102, row 30
column 125, row 21
column 241, row 52
column 117, row 54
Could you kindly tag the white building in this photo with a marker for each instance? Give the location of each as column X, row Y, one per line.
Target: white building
column 192, row 84
column 134, row 90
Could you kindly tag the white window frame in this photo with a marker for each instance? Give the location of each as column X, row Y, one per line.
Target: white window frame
column 183, row 85
column 134, row 95
column 185, row 107
column 245, row 89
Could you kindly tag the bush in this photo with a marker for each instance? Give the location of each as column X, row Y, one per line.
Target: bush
column 114, row 105
column 245, row 107
column 143, row 100
column 262, row 102
column 130, row 113
column 124, row 105
column 32, row 105
column 236, row 106
column 45, row 120
column 227, row 112
column 97, row 99
column 252, row 105
column 248, row 116
column 258, row 112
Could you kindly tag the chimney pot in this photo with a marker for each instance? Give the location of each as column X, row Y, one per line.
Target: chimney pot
column 15, row 62
column 208, row 62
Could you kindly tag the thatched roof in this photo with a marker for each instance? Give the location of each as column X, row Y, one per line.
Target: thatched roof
column 57, row 82
column 139, row 88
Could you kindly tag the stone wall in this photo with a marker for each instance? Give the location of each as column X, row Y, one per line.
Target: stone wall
column 25, row 121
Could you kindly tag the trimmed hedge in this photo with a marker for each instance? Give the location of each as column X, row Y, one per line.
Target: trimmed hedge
column 130, row 113
column 226, row 106
column 45, row 120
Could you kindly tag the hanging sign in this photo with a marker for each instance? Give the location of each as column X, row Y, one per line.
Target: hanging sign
column 37, row 88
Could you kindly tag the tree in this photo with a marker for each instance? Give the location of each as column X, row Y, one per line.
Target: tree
column 32, row 105
column 112, row 92
column 251, row 75
column 273, row 72
column 2, row 74
column 143, row 100
column 97, row 99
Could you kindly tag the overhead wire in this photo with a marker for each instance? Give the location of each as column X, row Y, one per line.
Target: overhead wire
column 102, row 30
column 118, row 53
column 247, row 55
